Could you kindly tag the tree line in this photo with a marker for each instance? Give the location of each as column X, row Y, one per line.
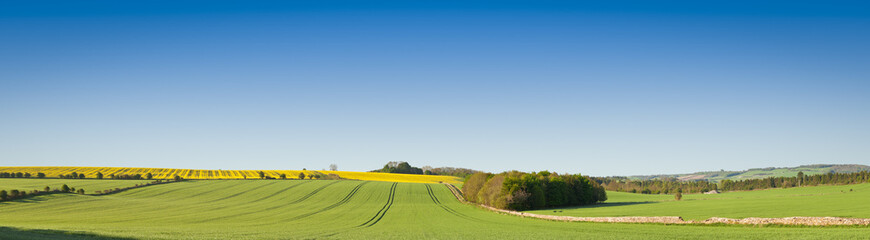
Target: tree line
column 672, row 185
column 657, row 186
column 801, row 180
column 406, row 168
column 516, row 190
column 20, row 175
column 19, row 194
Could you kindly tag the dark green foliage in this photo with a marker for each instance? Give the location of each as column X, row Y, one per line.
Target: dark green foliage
column 26, row 175
column 47, row 189
column 40, row 175
column 80, row 191
column 283, row 176
column 400, row 167
column 4, row 195
column 262, row 174
column 177, row 178
column 99, row 175
column 81, row 176
column 64, row 188
column 657, row 186
column 523, row 191
column 149, row 176
column 678, row 196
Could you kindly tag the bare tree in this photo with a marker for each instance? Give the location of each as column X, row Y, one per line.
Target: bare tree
column 333, row 167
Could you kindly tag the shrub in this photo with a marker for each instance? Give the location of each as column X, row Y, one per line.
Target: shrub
column 678, row 196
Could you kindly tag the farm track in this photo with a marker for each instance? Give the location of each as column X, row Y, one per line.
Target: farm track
column 449, row 209
column 312, row 193
column 378, row 216
column 246, row 191
column 339, row 203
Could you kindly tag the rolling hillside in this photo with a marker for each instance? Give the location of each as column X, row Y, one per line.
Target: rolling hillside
column 323, row 209
column 849, row 201
column 753, row 173
column 168, row 173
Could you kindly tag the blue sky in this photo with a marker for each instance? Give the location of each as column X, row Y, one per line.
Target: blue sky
column 615, row 88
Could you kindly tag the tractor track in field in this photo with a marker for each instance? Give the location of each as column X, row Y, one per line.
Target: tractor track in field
column 377, row 218
column 372, row 221
column 312, row 193
column 280, row 192
column 246, row 191
column 339, row 203
column 446, row 208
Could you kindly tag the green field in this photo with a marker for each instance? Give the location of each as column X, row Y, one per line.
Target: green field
column 89, row 185
column 299, row 209
column 819, row 201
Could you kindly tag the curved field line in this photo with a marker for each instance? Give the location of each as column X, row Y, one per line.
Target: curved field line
column 174, row 190
column 377, row 218
column 258, row 200
column 246, row 191
column 339, row 203
column 312, row 193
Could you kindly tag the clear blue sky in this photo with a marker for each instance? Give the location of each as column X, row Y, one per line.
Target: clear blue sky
column 602, row 88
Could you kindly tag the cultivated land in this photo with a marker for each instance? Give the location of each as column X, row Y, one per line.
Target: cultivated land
column 169, row 173
column 294, row 209
column 89, row 185
column 851, row 201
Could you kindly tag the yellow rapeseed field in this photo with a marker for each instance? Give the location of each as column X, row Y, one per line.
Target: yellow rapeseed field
column 167, row 173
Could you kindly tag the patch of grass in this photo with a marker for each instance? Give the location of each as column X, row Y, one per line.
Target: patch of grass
column 818, row 201
column 267, row 209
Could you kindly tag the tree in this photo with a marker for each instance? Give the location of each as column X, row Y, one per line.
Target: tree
column 40, row 175
column 149, row 176
column 177, row 178
column 283, row 176
column 47, row 189
column 81, row 176
column 99, row 175
column 80, row 191
column 800, row 178
column 678, row 196
column 262, row 174
column 64, row 188
column 3, row 195
column 26, row 175
column 301, row 175
column 333, row 167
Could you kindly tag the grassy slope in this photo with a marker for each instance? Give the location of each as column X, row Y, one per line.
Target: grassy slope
column 223, row 209
column 90, row 185
column 716, row 176
column 835, row 201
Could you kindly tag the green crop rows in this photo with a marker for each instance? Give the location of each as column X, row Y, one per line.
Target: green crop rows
column 299, row 209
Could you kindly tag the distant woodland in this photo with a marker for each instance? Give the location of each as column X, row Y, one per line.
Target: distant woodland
column 672, row 185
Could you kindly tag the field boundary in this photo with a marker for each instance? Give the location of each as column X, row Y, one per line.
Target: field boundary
column 807, row 221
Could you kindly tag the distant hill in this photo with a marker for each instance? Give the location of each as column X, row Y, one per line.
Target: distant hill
column 753, row 173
